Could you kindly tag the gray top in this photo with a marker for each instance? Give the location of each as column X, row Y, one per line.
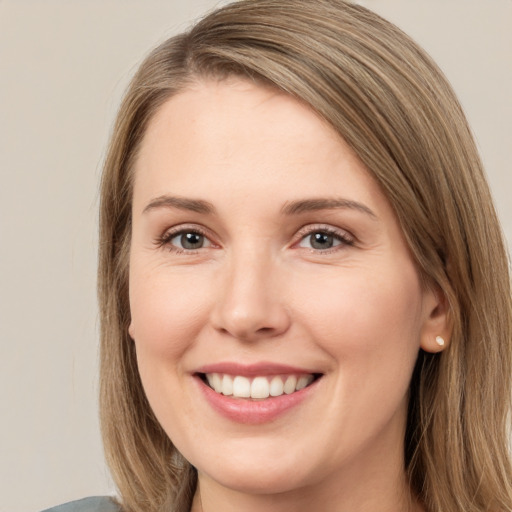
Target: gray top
column 92, row 504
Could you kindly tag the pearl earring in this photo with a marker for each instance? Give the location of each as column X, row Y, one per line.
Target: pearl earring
column 440, row 341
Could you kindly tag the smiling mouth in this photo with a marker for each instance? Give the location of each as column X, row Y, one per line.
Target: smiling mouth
column 258, row 387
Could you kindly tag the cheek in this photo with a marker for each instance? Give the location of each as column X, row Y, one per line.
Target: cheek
column 366, row 310
column 369, row 323
column 370, row 328
column 167, row 311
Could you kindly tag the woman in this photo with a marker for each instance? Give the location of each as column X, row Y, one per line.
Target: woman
column 304, row 289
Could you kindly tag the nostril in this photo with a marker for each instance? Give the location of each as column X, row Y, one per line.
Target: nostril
column 265, row 330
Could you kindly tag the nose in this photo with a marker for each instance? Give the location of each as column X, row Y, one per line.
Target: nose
column 251, row 303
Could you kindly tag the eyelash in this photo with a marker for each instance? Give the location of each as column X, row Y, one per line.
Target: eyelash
column 343, row 237
column 165, row 239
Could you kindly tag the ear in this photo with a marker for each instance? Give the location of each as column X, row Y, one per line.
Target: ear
column 130, row 330
column 437, row 325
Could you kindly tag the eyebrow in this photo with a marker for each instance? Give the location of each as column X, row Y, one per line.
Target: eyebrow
column 289, row 208
column 182, row 203
column 310, row 205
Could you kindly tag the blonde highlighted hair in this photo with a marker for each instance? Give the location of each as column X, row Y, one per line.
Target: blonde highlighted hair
column 393, row 106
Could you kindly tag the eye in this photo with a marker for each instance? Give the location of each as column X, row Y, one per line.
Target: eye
column 183, row 240
column 190, row 240
column 323, row 239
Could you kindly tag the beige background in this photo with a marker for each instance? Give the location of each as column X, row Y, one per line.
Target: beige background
column 63, row 67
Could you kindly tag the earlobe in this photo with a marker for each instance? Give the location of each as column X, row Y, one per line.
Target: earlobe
column 440, row 341
column 130, row 331
column 434, row 344
column 437, row 328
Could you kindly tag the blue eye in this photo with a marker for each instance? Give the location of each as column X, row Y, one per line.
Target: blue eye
column 324, row 239
column 186, row 240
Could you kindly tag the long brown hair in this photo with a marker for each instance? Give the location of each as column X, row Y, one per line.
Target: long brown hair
column 393, row 106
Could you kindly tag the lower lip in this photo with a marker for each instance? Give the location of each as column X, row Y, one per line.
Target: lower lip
column 254, row 412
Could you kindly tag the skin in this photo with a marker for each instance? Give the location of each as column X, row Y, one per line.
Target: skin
column 258, row 291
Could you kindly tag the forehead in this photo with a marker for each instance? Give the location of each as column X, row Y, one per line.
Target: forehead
column 207, row 113
column 235, row 138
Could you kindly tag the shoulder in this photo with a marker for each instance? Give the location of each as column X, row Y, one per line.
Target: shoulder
column 92, row 504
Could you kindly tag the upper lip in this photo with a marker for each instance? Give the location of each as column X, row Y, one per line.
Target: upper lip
column 254, row 369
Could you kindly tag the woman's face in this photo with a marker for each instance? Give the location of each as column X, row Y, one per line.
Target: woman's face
column 265, row 258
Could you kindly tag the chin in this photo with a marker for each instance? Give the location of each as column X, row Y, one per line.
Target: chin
column 262, row 480
column 257, row 474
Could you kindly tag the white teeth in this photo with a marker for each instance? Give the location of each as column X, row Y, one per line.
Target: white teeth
column 241, row 387
column 216, row 382
column 259, row 387
column 290, row 384
column 276, row 386
column 227, row 385
column 303, row 381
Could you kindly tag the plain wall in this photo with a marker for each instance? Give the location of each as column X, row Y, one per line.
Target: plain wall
column 63, row 68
